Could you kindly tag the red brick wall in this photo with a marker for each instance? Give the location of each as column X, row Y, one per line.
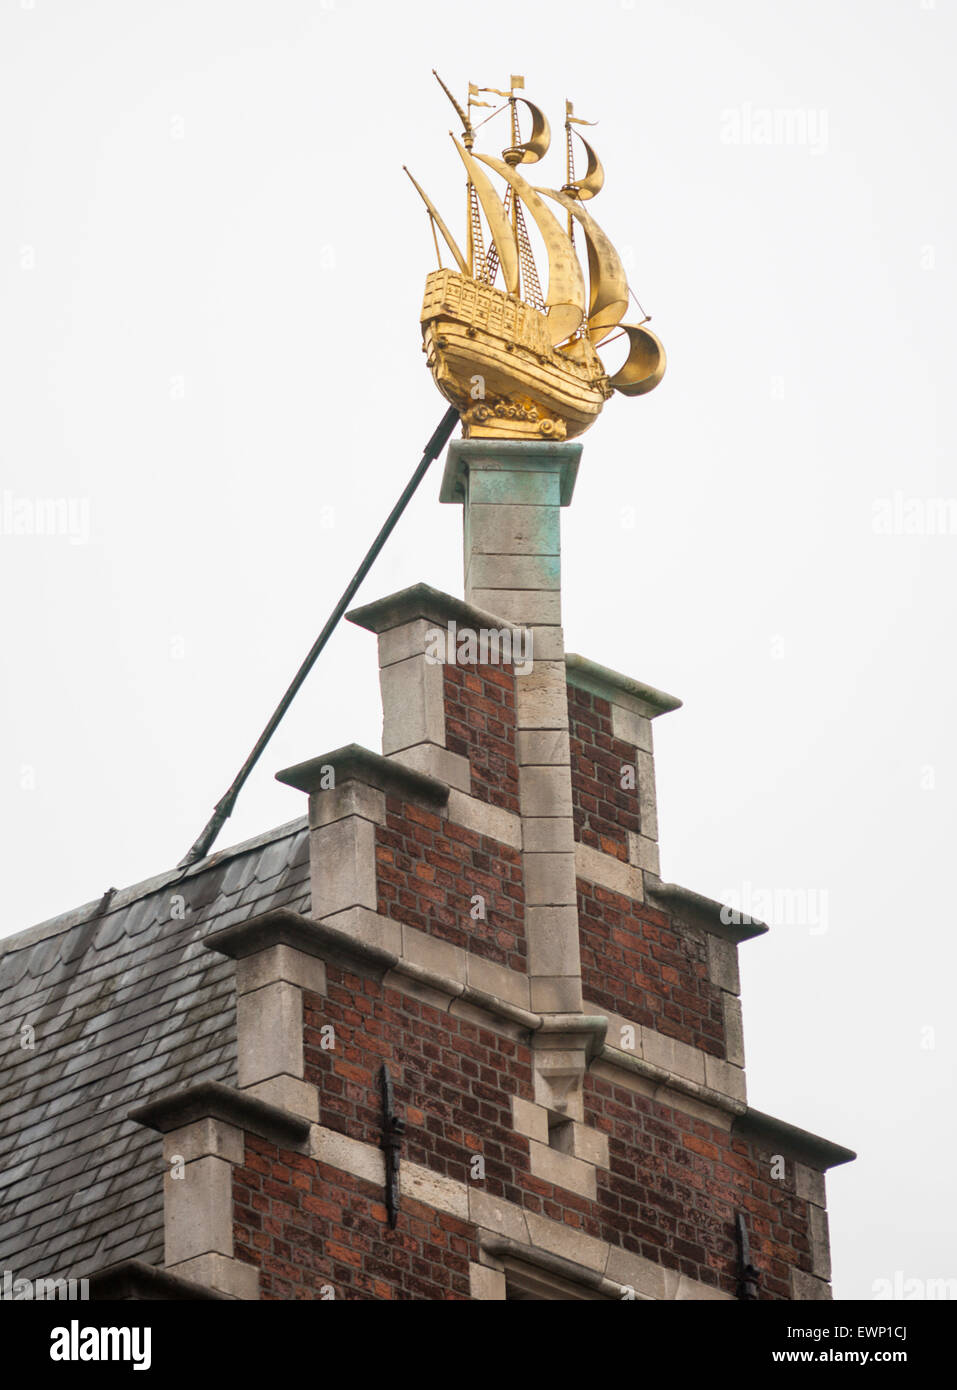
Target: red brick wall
column 635, row 964
column 602, row 809
column 670, row 1194
column 675, row 1185
column 480, row 725
column 428, row 871
column 309, row 1227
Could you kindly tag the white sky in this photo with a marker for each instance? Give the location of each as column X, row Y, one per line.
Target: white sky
column 211, row 268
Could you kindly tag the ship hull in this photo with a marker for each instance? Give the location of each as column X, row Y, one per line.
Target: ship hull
column 491, row 358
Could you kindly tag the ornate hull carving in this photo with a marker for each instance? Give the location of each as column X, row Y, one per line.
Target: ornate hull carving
column 491, row 357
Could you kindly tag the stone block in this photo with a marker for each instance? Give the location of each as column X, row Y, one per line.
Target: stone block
column 433, row 954
column 413, row 707
column 644, row 853
column 807, row 1288
column 514, row 528
column 409, row 639
column 552, row 936
column 269, row 1033
column 484, row 819
column 543, row 747
column 555, row 994
column 548, row 834
column 723, row 1077
column 820, row 1242
column 545, row 791
column 562, row 1169
column 597, row 867
column 541, row 699
column 809, row 1184
column 495, row 1214
column 438, row 762
column 199, row 1210
column 220, row 1272
column 348, row 1155
column 289, row 1093
column 550, row 881
column 497, row 980
column 369, row 927
column 647, row 795
column 723, row 964
column 486, row 1285
column 352, row 798
column 733, row 1030
column 631, row 728
column 434, row 1189
column 206, row 1138
column 530, row 1119
column 546, row 643
column 673, row 1056
column 528, row 607
column 343, row 867
column 635, row 1272
column 280, row 963
column 567, row 1242
column 510, row 487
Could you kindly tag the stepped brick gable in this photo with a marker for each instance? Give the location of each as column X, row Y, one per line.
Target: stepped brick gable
column 450, row 1036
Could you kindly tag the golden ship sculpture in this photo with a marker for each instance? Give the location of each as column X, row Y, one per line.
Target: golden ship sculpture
column 518, row 363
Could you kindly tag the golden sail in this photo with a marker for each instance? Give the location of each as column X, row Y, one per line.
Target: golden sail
column 516, row 361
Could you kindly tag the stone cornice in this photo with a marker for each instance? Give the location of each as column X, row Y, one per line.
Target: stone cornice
column 703, row 912
column 562, row 456
column 796, row 1143
column 357, row 764
column 422, row 601
column 213, row 1100
column 135, row 1279
column 606, row 683
column 283, row 927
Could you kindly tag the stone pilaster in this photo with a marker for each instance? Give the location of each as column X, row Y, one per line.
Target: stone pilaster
column 511, row 493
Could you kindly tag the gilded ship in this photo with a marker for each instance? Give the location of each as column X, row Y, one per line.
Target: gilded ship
column 517, row 362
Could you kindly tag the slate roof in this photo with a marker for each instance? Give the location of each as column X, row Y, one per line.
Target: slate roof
column 125, row 1003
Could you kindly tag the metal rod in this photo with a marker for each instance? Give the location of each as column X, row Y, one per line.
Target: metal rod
column 224, row 807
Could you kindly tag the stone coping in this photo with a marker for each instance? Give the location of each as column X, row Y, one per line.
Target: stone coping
column 357, row 764
column 283, row 927
column 515, row 454
column 797, row 1143
column 216, row 1101
column 603, row 681
column 422, row 601
column 707, row 911
column 135, row 1279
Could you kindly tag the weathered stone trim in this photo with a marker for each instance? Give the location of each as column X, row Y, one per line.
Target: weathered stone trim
column 422, row 601
column 135, row 1279
column 214, row 1100
column 799, row 1144
column 618, row 689
column 703, row 912
column 352, row 762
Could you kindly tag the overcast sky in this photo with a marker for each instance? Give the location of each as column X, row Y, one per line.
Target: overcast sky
column 211, row 268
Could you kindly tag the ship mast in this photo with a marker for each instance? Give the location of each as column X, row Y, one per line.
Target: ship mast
column 475, row 247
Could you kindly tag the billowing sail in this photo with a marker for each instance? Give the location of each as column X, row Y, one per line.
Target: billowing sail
column 607, row 281
column 536, row 146
column 645, row 365
column 594, row 176
column 450, row 240
column 565, row 300
column 497, row 217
